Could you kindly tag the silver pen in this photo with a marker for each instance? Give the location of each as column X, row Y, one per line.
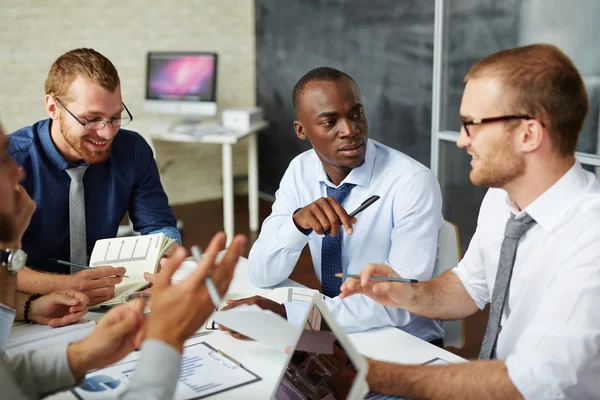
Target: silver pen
column 210, row 285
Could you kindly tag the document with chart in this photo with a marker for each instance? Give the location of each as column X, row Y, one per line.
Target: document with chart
column 138, row 254
column 204, row 371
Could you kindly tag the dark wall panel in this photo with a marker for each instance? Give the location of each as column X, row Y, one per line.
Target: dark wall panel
column 385, row 45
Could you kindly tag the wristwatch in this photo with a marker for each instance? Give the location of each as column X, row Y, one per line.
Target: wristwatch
column 13, row 259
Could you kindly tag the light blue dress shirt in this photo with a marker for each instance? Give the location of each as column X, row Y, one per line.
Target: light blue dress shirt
column 401, row 230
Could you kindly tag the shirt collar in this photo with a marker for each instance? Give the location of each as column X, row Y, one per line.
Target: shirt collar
column 50, row 148
column 551, row 207
column 361, row 175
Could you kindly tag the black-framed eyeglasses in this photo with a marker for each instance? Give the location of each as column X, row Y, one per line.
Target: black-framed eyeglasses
column 479, row 121
column 101, row 123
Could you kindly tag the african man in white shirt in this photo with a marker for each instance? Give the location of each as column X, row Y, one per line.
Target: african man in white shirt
column 343, row 169
column 538, row 232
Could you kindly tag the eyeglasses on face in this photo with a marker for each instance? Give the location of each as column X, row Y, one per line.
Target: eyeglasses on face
column 479, row 121
column 101, row 123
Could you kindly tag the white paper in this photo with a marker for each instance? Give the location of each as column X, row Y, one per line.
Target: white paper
column 261, row 325
column 292, row 295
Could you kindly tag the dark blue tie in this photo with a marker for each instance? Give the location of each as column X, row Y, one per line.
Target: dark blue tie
column 331, row 251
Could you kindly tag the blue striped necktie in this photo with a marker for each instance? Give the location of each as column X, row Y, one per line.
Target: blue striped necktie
column 331, row 250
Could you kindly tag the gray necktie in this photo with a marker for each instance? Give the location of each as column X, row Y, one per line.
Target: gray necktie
column 77, row 215
column 513, row 232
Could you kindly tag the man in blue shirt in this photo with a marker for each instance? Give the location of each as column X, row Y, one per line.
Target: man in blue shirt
column 401, row 229
column 83, row 101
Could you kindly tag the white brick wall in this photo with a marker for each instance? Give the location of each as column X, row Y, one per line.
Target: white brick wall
column 34, row 33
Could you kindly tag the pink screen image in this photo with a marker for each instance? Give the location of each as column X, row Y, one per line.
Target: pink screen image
column 187, row 76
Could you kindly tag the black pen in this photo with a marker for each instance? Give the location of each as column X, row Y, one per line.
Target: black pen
column 360, row 208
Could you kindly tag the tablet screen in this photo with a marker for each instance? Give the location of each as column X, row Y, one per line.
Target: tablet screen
column 319, row 367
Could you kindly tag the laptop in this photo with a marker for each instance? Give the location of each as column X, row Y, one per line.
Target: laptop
column 322, row 364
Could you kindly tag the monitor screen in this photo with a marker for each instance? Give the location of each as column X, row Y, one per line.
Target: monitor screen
column 176, row 76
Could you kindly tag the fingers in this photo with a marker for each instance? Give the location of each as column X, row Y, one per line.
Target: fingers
column 231, row 303
column 68, row 319
column 223, row 274
column 89, row 285
column 139, row 337
column 376, row 269
column 102, row 272
column 350, row 287
column 196, row 277
column 234, row 334
column 63, row 299
column 342, row 216
column 98, row 296
column 25, row 205
column 382, row 288
column 78, row 300
column 150, row 278
column 322, row 209
column 169, row 266
column 325, row 214
column 123, row 319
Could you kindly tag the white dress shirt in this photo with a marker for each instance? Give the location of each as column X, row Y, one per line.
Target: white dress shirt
column 400, row 229
column 550, row 337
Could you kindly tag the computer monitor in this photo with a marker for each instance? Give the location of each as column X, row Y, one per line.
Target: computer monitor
column 182, row 83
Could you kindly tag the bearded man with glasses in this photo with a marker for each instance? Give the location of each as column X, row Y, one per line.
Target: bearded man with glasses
column 85, row 173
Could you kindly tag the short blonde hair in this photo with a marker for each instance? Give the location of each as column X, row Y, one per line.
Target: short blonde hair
column 87, row 63
column 540, row 81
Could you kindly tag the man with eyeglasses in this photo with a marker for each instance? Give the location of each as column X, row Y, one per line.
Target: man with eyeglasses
column 535, row 256
column 85, row 173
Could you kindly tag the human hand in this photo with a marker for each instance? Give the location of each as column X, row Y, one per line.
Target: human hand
column 98, row 284
column 179, row 310
column 59, row 308
column 151, row 278
column 24, row 209
column 262, row 302
column 114, row 337
column 389, row 294
column 322, row 215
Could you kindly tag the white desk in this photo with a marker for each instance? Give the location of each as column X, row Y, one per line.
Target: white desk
column 226, row 141
column 388, row 344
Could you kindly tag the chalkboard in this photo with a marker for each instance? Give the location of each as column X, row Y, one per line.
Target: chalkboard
column 385, row 45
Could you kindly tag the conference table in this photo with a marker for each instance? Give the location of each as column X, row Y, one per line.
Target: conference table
column 387, row 344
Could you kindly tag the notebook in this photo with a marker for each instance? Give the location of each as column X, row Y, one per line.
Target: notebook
column 138, row 254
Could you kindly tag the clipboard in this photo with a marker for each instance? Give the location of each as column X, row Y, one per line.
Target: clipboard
column 204, row 371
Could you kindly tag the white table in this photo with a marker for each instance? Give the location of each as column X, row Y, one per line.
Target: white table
column 227, row 141
column 387, row 344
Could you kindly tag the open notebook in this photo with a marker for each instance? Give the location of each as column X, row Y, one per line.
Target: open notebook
column 138, row 254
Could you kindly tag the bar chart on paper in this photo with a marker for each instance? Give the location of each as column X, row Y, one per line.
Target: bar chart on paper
column 204, row 371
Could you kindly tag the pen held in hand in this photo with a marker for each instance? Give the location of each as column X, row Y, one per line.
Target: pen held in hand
column 70, row 264
column 360, row 208
column 210, row 285
column 378, row 278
